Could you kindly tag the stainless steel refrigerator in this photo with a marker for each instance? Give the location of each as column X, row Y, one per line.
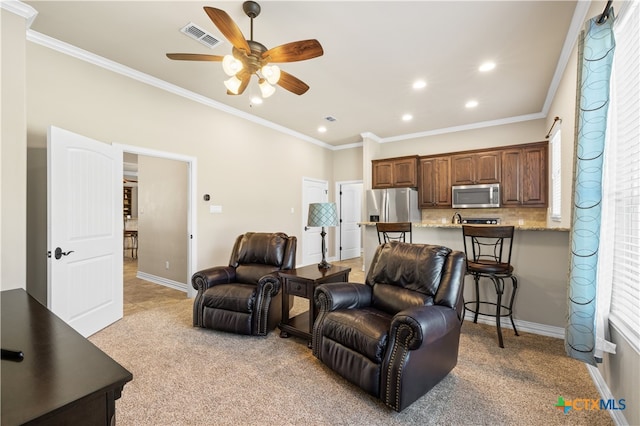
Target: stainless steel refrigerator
column 393, row 205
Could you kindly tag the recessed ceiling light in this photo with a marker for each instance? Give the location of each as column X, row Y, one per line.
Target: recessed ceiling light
column 471, row 104
column 322, row 129
column 407, row 117
column 487, row 66
column 256, row 100
column 419, row 84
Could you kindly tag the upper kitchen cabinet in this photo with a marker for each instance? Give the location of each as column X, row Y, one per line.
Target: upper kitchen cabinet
column 476, row 168
column 401, row 172
column 434, row 189
column 524, row 175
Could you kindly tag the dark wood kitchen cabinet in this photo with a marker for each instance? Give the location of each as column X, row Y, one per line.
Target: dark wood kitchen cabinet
column 524, row 176
column 476, row 168
column 511, row 188
column 535, row 187
column 401, row 172
column 434, row 186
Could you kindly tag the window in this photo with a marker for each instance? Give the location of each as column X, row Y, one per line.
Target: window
column 556, row 190
column 621, row 187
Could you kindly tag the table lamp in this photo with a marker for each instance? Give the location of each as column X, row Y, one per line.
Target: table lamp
column 321, row 215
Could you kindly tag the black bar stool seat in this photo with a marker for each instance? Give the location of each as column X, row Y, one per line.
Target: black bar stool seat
column 488, row 249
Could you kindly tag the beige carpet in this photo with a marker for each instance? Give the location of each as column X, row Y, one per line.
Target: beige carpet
column 188, row 376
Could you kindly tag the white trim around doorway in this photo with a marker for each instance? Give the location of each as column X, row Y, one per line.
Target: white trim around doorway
column 192, row 197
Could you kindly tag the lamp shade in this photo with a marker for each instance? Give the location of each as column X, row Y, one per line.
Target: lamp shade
column 231, row 65
column 233, row 84
column 271, row 73
column 322, row 214
column 265, row 88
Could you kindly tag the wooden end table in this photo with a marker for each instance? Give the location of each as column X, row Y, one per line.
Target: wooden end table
column 302, row 282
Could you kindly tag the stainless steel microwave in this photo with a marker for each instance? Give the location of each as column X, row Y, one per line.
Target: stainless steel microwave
column 475, row 196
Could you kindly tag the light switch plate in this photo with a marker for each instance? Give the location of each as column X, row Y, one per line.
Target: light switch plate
column 215, row 209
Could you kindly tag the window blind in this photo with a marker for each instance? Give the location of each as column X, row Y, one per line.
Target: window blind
column 625, row 185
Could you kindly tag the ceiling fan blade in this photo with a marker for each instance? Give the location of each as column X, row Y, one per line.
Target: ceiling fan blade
column 194, row 57
column 228, row 28
column 292, row 84
column 294, row 51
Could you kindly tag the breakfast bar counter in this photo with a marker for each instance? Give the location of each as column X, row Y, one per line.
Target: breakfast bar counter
column 523, row 227
column 541, row 264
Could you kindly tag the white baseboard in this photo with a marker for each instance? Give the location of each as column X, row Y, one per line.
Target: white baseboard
column 526, row 326
column 601, row 385
column 162, row 281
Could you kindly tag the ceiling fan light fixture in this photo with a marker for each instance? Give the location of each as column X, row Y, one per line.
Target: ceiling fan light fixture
column 271, row 73
column 233, row 84
column 231, row 65
column 265, row 88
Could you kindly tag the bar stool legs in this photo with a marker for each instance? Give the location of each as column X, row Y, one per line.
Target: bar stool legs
column 499, row 285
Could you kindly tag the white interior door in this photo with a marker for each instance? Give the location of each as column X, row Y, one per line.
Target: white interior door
column 350, row 215
column 85, row 224
column 313, row 191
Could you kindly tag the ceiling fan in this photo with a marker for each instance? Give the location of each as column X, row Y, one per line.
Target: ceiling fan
column 250, row 57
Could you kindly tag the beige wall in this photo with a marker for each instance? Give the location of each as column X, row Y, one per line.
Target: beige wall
column 347, row 164
column 37, row 223
column 162, row 218
column 13, row 153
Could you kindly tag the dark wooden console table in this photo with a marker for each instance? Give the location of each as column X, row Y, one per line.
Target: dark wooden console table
column 302, row 282
column 63, row 378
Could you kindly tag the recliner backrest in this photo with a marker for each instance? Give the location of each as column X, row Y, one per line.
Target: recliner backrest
column 404, row 275
column 256, row 254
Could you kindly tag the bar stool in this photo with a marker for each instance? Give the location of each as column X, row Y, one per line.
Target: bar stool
column 488, row 249
column 393, row 231
column 132, row 235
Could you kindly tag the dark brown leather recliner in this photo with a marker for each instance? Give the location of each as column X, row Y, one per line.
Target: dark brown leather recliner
column 397, row 335
column 244, row 297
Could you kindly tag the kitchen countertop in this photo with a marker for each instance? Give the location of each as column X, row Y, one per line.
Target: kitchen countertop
column 525, row 227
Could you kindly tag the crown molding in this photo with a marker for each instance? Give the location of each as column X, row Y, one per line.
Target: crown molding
column 472, row 126
column 20, row 9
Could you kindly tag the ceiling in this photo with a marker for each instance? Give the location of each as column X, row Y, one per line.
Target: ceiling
column 373, row 52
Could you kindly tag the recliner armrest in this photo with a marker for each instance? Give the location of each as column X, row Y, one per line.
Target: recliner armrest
column 332, row 296
column 342, row 296
column 207, row 278
column 273, row 280
column 427, row 324
column 422, row 349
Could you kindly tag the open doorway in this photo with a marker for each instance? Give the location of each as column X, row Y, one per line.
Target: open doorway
column 158, row 233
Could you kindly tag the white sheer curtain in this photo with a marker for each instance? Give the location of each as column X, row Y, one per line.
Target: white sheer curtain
column 619, row 265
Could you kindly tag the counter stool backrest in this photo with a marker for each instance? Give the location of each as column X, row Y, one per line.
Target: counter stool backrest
column 393, row 231
column 488, row 248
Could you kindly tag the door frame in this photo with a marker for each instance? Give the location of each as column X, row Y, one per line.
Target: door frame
column 192, row 174
column 338, row 192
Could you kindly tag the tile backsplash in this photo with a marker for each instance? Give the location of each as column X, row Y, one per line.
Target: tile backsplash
column 507, row 216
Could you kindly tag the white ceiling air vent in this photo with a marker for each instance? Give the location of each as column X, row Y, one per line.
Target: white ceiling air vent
column 197, row 33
